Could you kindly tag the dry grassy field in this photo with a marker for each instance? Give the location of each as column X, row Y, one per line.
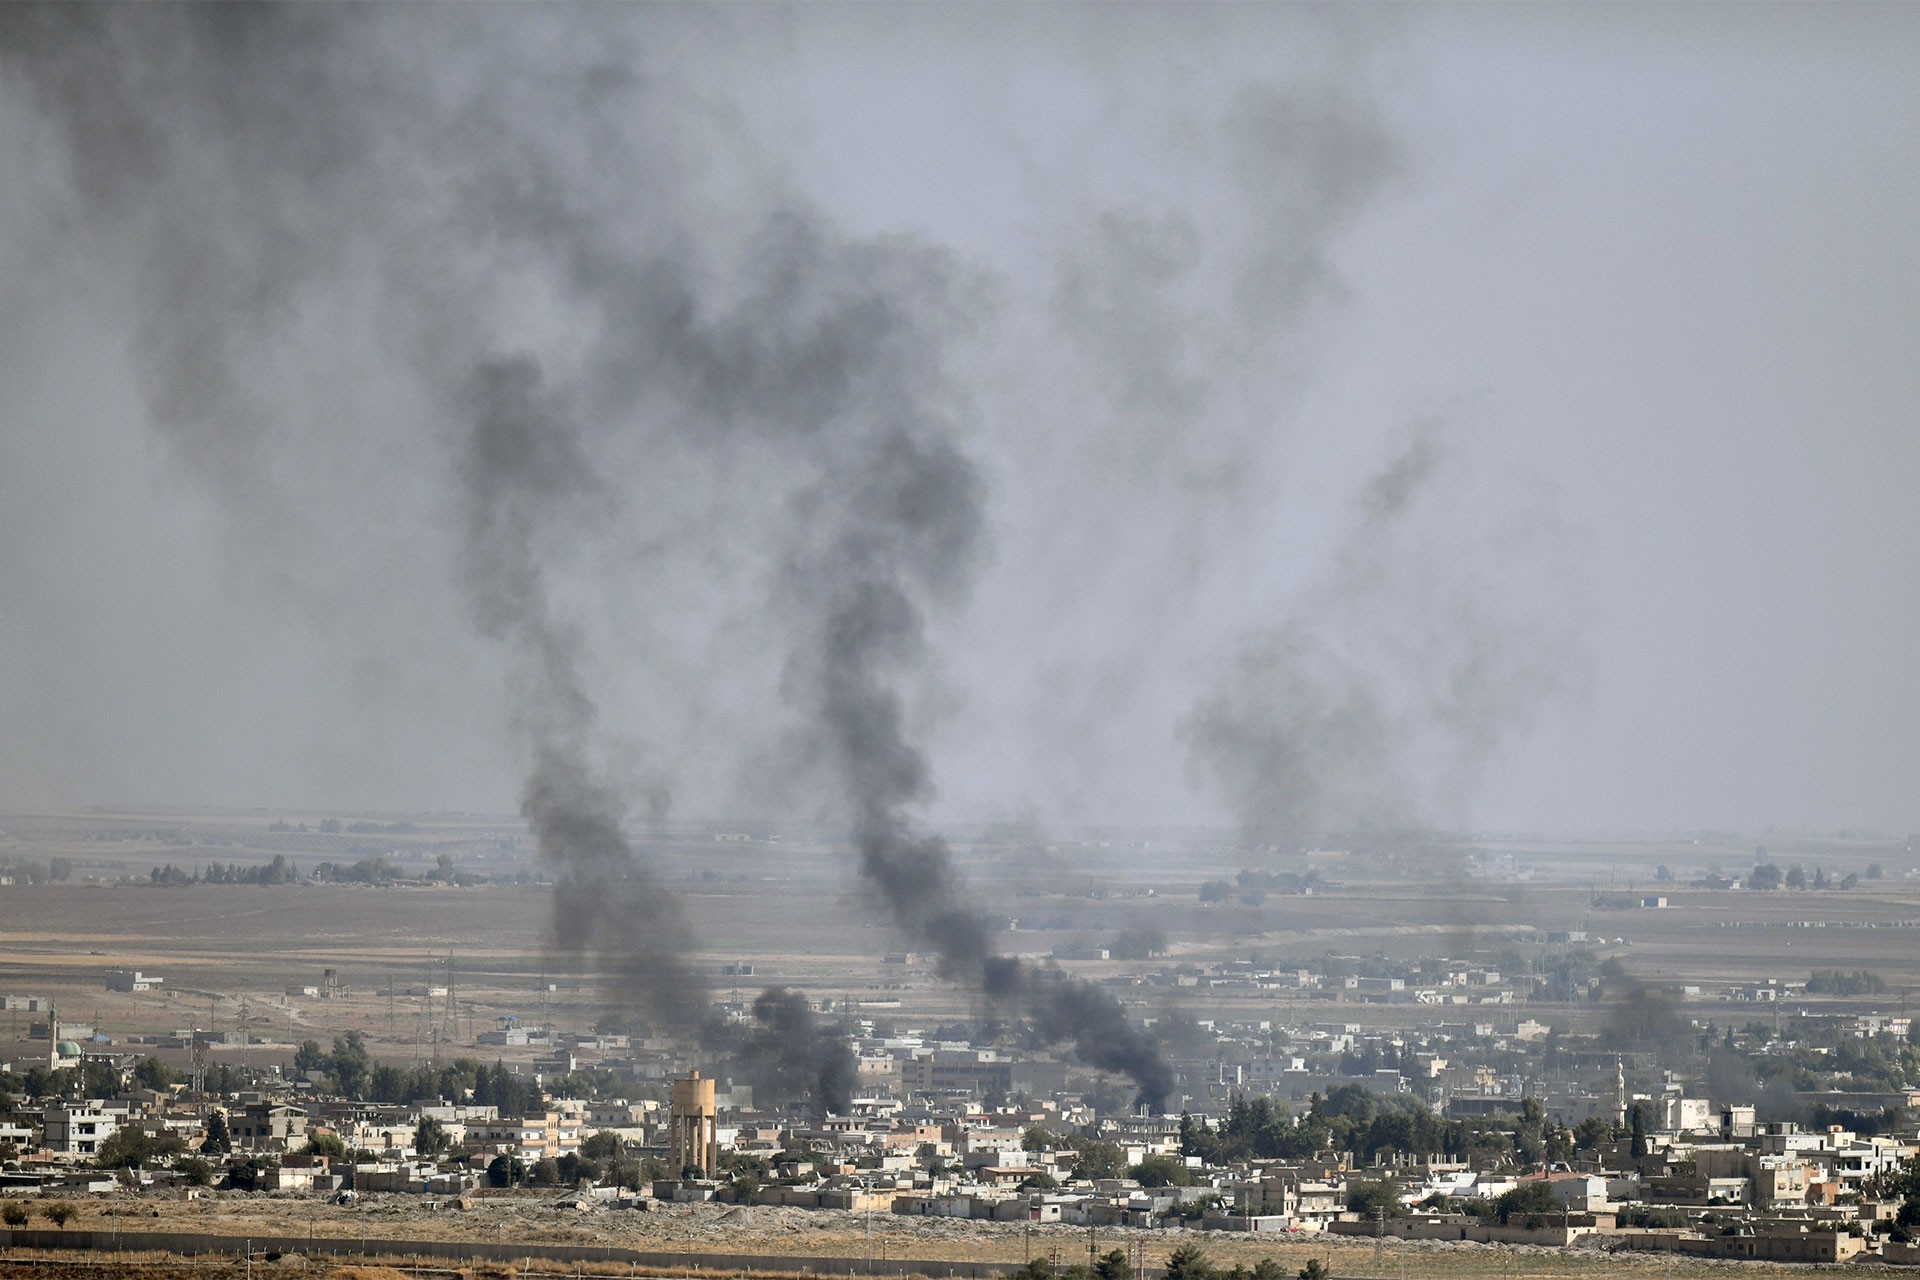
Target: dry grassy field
column 793, row 910
column 694, row 1229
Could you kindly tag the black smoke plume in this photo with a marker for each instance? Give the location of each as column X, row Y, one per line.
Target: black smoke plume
column 247, row 160
column 523, row 465
column 903, row 524
column 787, row 1054
column 564, row 336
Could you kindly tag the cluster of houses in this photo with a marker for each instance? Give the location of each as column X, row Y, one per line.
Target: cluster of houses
column 943, row 1127
column 1706, row 1180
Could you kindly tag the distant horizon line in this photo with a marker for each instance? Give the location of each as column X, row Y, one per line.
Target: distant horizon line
column 1325, row 842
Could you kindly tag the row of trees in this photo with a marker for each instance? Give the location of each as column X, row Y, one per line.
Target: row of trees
column 1769, row 876
column 282, row 870
column 1835, row 982
column 17, row 1214
column 1354, row 1118
column 348, row 1068
column 351, row 1073
column 1530, row 1203
column 1349, row 1118
column 332, row 826
column 618, row 1166
column 1186, row 1262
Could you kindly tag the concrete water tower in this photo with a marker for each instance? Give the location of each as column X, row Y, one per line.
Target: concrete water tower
column 694, row 1126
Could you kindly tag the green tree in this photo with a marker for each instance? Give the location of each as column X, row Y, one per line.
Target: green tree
column 330, row 1145
column 58, row 1212
column 1111, row 1265
column 1269, row 1269
column 610, row 1150
column 505, row 1171
column 1315, row 1270
column 1374, row 1198
column 197, row 1172
column 134, row 1148
column 153, row 1074
column 99, row 1079
column 1163, row 1171
column 1529, row 1198
column 605, row 1146
column 1101, row 1159
column 15, row 1214
column 245, row 1175
column 1593, row 1131
column 430, row 1137
column 1765, row 876
column 349, row 1063
column 219, row 1139
column 1189, row 1262
column 1530, row 1132
column 1038, row 1138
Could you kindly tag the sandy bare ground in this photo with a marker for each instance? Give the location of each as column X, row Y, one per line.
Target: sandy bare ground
column 714, row 1228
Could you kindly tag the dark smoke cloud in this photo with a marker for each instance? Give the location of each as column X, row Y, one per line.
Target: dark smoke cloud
column 244, row 159
column 515, row 276
column 787, row 1054
column 1185, row 322
column 894, row 526
column 524, row 465
column 570, row 336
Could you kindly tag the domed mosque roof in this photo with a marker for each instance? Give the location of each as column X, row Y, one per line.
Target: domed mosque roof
column 68, row 1049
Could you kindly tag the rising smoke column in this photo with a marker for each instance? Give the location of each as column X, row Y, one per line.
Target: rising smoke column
column 267, row 168
column 241, row 160
column 250, row 155
column 523, row 464
column 1438, row 630
column 896, row 527
column 788, row 1053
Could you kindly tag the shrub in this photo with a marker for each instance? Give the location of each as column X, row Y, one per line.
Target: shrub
column 1189, row 1262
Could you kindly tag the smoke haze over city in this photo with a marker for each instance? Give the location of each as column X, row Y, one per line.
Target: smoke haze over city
column 1283, row 419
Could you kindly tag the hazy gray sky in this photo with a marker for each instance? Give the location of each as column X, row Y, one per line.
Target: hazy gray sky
column 1500, row 416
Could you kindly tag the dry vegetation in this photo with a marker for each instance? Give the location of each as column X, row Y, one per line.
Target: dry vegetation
column 229, row 953
column 708, row 1228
